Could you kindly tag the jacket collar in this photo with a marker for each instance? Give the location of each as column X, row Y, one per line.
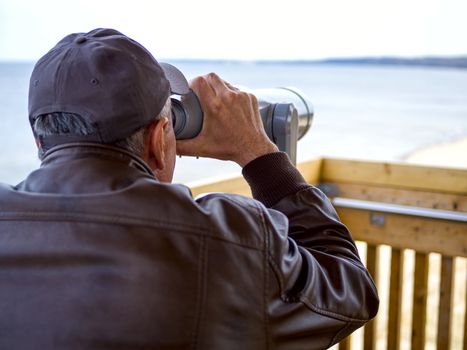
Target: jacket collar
column 69, row 151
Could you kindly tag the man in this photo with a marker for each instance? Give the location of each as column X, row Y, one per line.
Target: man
column 99, row 251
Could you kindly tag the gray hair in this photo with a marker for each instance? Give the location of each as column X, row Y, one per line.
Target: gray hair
column 60, row 123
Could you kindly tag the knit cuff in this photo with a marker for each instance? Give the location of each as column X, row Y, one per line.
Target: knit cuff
column 272, row 177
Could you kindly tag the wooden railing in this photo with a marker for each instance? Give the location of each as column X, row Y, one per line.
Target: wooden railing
column 410, row 224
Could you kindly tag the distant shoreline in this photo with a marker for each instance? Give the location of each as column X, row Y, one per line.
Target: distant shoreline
column 458, row 62
column 450, row 62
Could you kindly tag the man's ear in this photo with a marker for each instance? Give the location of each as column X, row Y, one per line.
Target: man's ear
column 154, row 148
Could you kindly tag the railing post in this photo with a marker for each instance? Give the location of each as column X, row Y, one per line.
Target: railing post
column 345, row 344
column 445, row 303
column 465, row 317
column 395, row 298
column 372, row 266
column 419, row 301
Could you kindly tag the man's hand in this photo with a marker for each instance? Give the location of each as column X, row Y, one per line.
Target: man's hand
column 232, row 127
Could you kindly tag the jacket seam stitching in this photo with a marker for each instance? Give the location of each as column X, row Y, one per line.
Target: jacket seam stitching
column 332, row 314
column 98, row 217
column 249, row 203
column 201, row 291
column 277, row 273
column 112, row 220
column 266, row 274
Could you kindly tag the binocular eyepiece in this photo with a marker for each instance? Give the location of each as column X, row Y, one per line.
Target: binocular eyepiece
column 286, row 113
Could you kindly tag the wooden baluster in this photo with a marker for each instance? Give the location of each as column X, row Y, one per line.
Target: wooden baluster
column 372, row 266
column 445, row 303
column 465, row 317
column 345, row 344
column 419, row 301
column 395, row 298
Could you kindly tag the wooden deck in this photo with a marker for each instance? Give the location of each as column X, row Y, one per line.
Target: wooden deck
column 410, row 223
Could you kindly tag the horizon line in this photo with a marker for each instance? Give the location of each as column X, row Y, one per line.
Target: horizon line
column 446, row 62
column 285, row 60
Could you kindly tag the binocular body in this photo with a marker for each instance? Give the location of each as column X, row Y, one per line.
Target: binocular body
column 286, row 114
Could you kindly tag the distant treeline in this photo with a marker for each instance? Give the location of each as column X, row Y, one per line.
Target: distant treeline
column 451, row 62
column 454, row 62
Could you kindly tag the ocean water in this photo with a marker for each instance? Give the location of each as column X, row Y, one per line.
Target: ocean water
column 361, row 112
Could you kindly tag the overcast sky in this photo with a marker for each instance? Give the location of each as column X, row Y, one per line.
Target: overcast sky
column 244, row 29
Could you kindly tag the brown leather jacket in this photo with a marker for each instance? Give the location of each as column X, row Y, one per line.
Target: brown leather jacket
column 95, row 253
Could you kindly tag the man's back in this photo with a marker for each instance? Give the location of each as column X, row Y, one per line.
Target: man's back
column 99, row 251
column 96, row 253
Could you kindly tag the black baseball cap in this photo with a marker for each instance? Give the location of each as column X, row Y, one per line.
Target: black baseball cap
column 107, row 78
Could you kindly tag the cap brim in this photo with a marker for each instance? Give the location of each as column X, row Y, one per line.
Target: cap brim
column 178, row 83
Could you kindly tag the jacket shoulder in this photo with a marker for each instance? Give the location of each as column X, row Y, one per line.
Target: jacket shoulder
column 238, row 219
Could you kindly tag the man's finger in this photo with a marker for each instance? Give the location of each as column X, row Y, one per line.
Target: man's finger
column 230, row 86
column 202, row 88
column 217, row 83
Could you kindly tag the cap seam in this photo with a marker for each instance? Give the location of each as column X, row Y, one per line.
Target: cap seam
column 58, row 75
